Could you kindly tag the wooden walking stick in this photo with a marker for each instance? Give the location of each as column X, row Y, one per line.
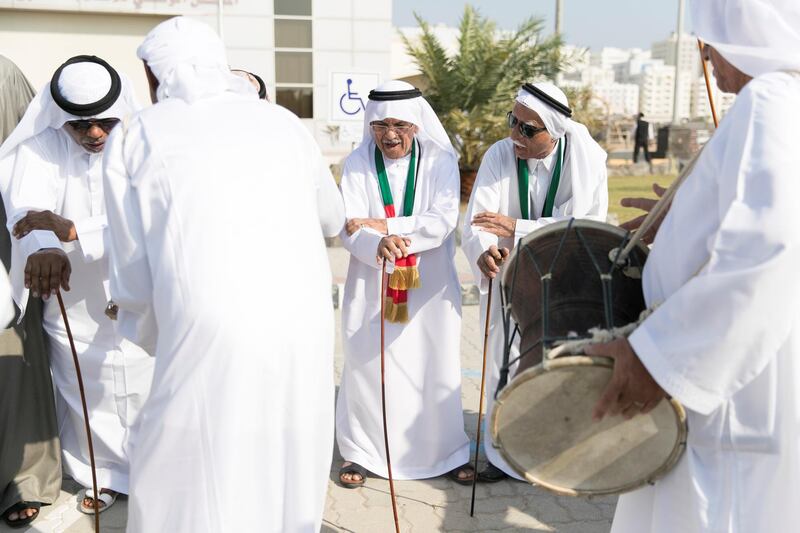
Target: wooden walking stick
column 708, row 84
column 383, row 398
column 480, row 404
column 85, row 413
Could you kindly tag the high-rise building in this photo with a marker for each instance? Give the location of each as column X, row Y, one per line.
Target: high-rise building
column 690, row 67
column 656, row 85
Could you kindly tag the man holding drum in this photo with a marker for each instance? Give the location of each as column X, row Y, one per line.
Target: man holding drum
column 548, row 169
column 724, row 338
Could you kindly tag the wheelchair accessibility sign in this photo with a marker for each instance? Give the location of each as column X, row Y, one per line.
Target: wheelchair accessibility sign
column 349, row 92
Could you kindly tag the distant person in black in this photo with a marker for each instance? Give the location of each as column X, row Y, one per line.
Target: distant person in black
column 641, row 137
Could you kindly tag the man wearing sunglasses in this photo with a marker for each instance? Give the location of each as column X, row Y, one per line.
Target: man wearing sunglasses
column 53, row 194
column 548, row 169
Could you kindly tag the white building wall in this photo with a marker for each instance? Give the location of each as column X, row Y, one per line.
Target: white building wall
column 347, row 36
column 618, row 98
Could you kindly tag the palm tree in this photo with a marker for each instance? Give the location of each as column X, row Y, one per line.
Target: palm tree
column 472, row 90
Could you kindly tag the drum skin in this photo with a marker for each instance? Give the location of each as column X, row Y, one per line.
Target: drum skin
column 575, row 302
column 542, row 425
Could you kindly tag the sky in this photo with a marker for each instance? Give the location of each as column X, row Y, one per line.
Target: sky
column 588, row 23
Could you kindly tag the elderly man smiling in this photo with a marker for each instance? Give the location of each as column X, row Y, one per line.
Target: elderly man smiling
column 548, row 169
column 400, row 191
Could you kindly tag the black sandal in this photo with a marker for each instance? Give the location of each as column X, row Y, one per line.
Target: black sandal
column 466, row 468
column 18, row 507
column 491, row 474
column 352, row 468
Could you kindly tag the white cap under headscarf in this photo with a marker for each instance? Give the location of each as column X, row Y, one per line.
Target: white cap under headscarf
column 415, row 110
column 188, row 60
column 583, row 155
column 755, row 36
column 80, row 83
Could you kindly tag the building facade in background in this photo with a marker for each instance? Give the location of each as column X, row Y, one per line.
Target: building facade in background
column 305, row 50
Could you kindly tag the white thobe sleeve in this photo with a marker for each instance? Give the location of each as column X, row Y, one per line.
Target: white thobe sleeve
column 429, row 229
column 485, row 197
column 718, row 331
column 92, row 237
column 129, row 271
column 363, row 244
column 33, row 187
column 329, row 200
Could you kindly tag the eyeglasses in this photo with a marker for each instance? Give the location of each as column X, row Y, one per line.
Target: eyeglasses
column 525, row 129
column 382, row 127
column 82, row 126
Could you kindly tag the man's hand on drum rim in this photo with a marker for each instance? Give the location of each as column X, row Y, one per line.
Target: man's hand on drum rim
column 645, row 204
column 632, row 390
column 490, row 261
column 46, row 270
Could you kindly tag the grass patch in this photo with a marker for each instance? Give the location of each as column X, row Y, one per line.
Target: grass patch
column 620, row 187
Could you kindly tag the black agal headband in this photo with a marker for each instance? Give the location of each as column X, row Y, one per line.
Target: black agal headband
column 385, row 96
column 93, row 108
column 262, row 87
column 547, row 99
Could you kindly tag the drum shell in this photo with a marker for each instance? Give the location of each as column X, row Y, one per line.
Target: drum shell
column 570, row 258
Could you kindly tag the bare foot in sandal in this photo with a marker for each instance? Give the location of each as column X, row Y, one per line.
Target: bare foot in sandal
column 352, row 475
column 463, row 474
column 21, row 514
column 87, row 505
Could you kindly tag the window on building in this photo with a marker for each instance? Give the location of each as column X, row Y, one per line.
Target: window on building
column 294, row 66
column 292, row 33
column 293, row 8
column 300, row 100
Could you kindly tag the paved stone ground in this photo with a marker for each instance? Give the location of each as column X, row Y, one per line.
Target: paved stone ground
column 424, row 506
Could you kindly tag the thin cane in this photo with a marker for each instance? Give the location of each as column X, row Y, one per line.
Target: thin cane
column 383, row 398
column 708, row 85
column 85, row 413
column 480, row 401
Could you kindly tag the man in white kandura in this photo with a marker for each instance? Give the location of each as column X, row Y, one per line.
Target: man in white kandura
column 53, row 194
column 725, row 339
column 548, row 169
column 241, row 408
column 400, row 191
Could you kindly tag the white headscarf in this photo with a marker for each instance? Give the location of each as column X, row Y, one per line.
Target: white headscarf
column 583, row 155
column 556, row 122
column 188, row 60
column 417, row 111
column 79, row 83
column 755, row 36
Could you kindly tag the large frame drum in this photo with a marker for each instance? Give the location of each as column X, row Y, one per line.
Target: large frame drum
column 561, row 281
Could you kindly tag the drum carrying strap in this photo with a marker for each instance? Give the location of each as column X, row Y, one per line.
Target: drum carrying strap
column 523, row 186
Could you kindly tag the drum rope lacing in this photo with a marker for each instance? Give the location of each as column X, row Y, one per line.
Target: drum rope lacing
column 546, row 278
column 620, row 260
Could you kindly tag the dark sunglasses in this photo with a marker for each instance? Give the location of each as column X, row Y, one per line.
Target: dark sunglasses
column 82, row 126
column 525, row 129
